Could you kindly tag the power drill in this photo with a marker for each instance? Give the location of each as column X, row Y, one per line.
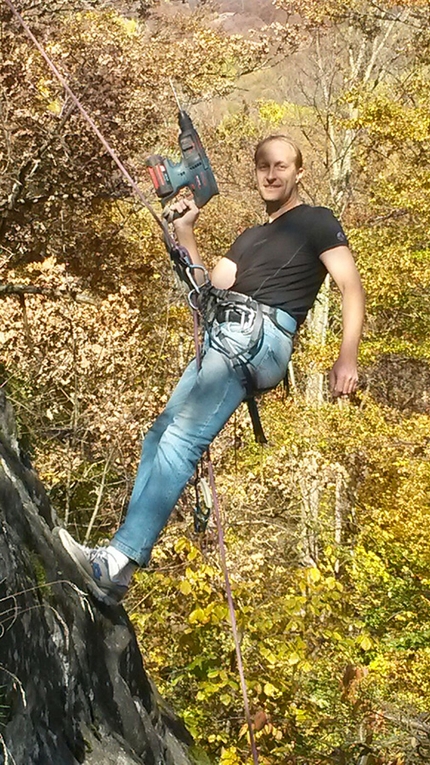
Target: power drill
column 194, row 169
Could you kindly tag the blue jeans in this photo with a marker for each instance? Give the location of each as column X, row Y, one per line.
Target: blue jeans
column 199, row 407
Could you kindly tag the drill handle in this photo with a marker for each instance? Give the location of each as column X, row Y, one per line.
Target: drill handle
column 170, row 215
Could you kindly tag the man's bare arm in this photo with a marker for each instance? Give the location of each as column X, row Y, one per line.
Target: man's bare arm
column 188, row 213
column 340, row 264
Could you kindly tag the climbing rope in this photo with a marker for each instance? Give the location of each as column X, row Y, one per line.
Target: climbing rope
column 163, row 224
column 187, row 267
column 231, row 608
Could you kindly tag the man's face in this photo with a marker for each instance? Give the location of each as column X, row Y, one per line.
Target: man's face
column 277, row 175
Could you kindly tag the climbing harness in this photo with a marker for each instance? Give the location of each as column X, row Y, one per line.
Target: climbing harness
column 186, row 270
column 220, row 307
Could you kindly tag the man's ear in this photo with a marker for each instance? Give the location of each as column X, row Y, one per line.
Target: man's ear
column 299, row 175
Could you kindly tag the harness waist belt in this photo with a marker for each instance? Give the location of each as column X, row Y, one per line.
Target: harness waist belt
column 281, row 318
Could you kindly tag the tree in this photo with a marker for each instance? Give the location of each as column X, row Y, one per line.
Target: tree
column 332, row 602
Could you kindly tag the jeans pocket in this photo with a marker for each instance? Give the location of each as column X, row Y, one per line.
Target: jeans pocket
column 269, row 367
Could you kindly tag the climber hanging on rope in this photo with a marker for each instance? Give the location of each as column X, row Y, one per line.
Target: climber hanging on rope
column 260, row 293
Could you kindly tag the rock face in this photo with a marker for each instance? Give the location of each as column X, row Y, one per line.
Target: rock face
column 72, row 685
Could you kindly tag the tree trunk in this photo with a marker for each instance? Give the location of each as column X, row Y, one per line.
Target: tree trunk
column 318, row 323
column 310, row 486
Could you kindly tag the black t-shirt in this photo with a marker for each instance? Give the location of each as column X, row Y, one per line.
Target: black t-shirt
column 278, row 263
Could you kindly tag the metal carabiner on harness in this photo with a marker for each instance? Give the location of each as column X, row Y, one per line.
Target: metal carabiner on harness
column 185, row 270
column 202, row 514
column 195, row 291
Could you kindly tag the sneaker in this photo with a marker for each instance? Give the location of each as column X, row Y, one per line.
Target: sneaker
column 94, row 567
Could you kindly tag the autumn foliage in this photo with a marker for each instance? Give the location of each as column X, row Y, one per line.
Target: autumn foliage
column 327, row 527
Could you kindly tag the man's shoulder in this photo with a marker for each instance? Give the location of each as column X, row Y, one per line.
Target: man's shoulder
column 317, row 211
column 318, row 217
column 305, row 215
column 323, row 228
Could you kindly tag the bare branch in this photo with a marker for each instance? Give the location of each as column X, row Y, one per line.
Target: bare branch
column 54, row 294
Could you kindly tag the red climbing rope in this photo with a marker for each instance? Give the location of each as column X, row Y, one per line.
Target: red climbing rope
column 240, row 669
column 88, row 118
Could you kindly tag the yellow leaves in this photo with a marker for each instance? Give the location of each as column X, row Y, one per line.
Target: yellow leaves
column 185, row 587
column 272, row 112
column 182, row 544
column 315, row 578
column 230, row 756
column 270, row 690
column 281, row 116
column 47, row 89
column 332, row 584
column 301, row 715
column 129, row 25
column 385, row 117
column 306, row 666
column 55, row 106
column 365, row 643
column 314, row 575
column 270, row 657
column 108, row 21
column 44, row 87
column 199, row 616
column 213, row 613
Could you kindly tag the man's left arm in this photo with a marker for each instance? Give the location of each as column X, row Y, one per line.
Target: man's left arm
column 340, row 264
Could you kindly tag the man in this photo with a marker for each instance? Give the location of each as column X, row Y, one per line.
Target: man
column 261, row 291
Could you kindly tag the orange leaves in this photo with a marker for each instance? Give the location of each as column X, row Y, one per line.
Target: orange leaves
column 317, row 13
column 321, row 14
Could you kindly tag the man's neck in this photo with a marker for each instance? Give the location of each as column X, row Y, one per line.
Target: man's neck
column 275, row 213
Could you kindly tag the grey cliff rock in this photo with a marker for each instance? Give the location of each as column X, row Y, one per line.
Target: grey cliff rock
column 72, row 684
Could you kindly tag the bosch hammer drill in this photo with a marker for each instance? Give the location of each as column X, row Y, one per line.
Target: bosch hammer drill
column 194, row 169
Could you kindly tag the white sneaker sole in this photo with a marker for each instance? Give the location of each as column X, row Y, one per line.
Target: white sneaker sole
column 72, row 549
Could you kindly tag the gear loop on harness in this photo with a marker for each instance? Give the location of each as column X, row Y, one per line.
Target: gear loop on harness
column 227, row 305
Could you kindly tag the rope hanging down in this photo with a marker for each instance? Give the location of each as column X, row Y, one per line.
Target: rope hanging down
column 240, row 669
column 228, row 590
column 170, row 243
column 172, row 248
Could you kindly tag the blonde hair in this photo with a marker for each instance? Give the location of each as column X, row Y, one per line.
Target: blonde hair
column 298, row 161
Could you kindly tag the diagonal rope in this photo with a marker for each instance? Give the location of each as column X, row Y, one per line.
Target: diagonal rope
column 163, row 225
column 170, row 243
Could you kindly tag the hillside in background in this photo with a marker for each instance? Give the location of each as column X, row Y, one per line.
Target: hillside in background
column 239, row 16
column 236, row 16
